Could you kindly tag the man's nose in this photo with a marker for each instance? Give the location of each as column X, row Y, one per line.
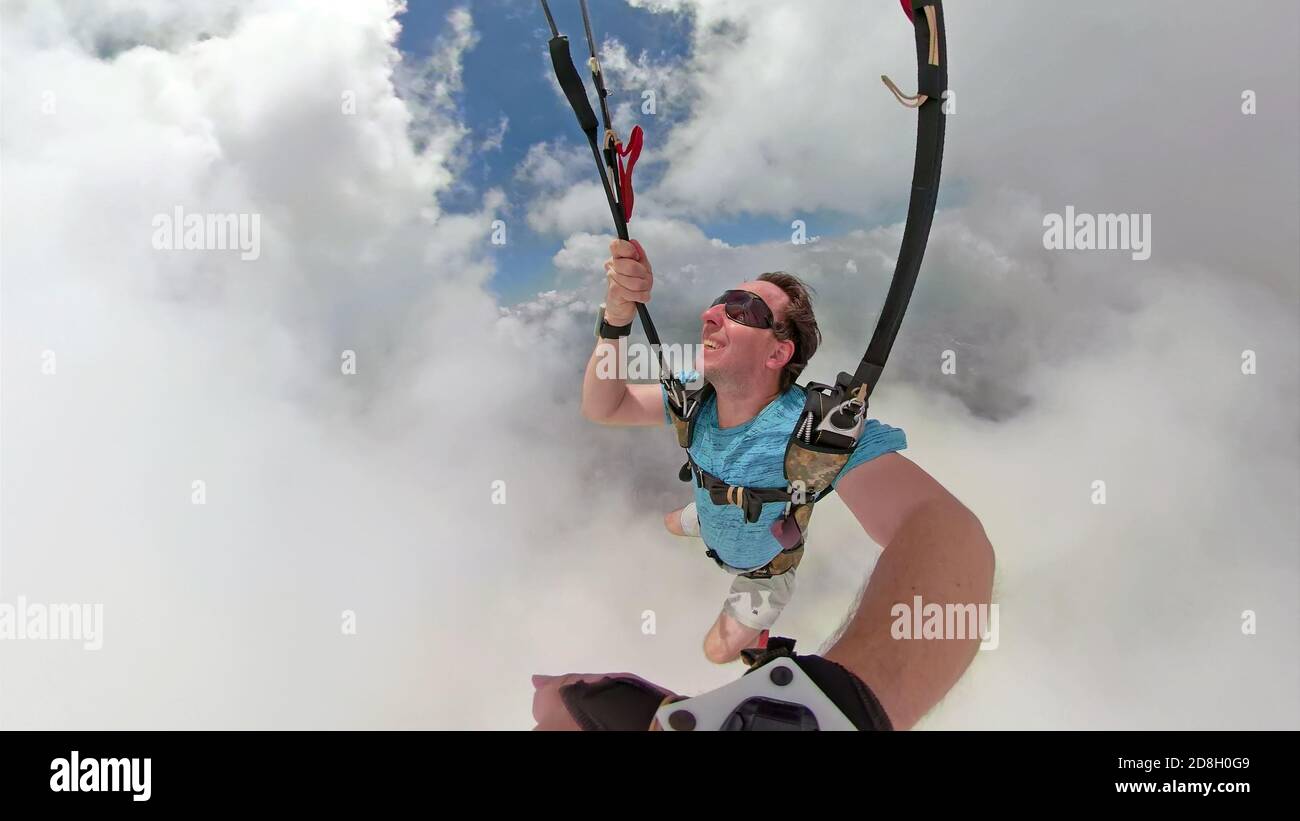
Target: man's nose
column 714, row 314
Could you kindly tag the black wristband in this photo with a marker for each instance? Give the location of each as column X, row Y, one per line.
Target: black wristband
column 604, row 330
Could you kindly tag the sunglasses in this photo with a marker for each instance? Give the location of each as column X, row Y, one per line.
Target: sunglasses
column 746, row 308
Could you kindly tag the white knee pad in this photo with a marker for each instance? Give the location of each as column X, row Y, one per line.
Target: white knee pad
column 690, row 519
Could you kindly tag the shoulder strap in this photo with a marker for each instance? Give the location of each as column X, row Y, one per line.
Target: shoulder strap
column 932, row 83
column 685, row 408
column 834, row 415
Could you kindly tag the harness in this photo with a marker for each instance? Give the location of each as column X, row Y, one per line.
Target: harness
column 828, row 428
column 788, row 530
column 833, row 416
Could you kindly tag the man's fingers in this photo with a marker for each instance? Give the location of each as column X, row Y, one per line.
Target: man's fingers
column 548, row 705
column 633, row 286
column 629, row 270
column 626, row 267
column 641, row 254
column 622, row 249
column 630, row 283
column 629, row 267
column 618, row 292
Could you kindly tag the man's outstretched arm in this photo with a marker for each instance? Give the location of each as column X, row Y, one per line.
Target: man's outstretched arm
column 606, row 397
column 935, row 548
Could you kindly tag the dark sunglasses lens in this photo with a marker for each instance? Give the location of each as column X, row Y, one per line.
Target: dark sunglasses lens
column 755, row 311
column 733, row 302
column 745, row 308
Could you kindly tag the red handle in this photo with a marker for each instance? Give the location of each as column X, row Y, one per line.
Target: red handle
column 632, row 151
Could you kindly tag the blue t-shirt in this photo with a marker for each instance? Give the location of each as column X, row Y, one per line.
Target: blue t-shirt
column 753, row 455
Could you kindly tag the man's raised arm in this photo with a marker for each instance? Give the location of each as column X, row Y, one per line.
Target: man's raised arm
column 606, row 396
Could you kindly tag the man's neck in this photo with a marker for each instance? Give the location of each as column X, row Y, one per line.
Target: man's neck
column 738, row 407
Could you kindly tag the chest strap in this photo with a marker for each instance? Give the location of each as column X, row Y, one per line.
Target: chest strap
column 748, row 499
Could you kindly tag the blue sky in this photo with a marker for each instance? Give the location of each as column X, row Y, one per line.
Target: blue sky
column 508, row 74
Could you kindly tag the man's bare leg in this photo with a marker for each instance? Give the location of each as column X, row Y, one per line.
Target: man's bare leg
column 751, row 606
column 727, row 638
column 673, row 522
column 683, row 522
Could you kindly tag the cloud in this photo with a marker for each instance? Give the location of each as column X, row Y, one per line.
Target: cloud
column 373, row 493
column 579, row 208
column 497, row 136
column 656, row 86
column 325, row 492
column 1072, row 367
column 552, row 166
column 788, row 115
column 429, row 89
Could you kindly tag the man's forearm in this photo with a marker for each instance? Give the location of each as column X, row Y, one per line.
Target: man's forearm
column 603, row 388
column 941, row 554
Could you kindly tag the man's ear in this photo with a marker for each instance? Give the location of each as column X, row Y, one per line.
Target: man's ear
column 781, row 354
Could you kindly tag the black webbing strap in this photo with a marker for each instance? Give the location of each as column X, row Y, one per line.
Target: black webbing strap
column 932, row 81
column 748, row 499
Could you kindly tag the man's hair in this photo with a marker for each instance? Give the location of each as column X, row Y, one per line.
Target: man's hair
column 799, row 324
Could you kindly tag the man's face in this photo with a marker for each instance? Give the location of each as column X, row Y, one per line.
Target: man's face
column 738, row 355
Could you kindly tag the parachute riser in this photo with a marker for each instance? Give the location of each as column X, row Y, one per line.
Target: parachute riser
column 566, row 73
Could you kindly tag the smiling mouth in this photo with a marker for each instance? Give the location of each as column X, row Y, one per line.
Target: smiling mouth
column 710, row 345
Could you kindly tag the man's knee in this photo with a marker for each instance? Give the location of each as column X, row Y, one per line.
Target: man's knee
column 717, row 650
column 673, row 522
column 727, row 638
column 683, row 522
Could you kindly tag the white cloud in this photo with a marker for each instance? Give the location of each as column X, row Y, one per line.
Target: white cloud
column 325, row 492
column 551, row 166
column 372, row 492
column 497, row 136
column 1072, row 367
